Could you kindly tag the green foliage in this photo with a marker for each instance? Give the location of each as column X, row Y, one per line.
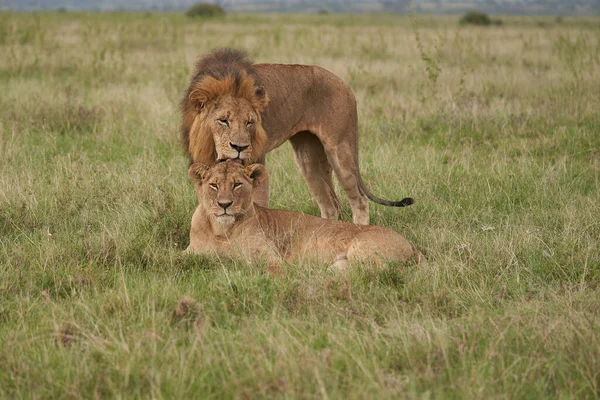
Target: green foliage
column 431, row 65
column 478, row 18
column 205, row 10
column 96, row 299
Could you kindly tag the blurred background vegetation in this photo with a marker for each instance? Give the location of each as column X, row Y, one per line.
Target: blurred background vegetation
column 505, row 7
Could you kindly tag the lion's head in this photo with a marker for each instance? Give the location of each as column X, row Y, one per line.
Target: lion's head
column 225, row 190
column 222, row 110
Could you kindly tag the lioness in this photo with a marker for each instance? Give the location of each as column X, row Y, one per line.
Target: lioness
column 234, row 109
column 227, row 222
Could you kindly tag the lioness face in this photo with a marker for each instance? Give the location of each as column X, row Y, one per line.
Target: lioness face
column 225, row 190
column 233, row 124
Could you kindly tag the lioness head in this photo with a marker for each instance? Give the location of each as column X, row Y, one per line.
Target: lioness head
column 225, row 117
column 225, row 190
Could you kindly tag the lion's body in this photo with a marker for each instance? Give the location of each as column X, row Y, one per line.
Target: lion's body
column 307, row 105
column 254, row 232
column 306, row 98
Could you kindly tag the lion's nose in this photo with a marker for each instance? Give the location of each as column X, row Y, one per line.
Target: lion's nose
column 238, row 148
column 224, row 204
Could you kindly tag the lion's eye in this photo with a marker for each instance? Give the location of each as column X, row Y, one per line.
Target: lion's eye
column 237, row 185
column 213, row 186
column 223, row 122
column 249, row 124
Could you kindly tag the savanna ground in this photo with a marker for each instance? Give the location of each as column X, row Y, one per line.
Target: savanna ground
column 494, row 131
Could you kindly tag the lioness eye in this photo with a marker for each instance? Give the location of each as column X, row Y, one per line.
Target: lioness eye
column 224, row 122
column 249, row 124
column 213, row 186
column 237, row 185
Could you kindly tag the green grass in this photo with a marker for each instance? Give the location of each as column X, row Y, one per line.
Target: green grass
column 501, row 151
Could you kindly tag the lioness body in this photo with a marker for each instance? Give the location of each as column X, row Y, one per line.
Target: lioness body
column 307, row 105
column 254, row 232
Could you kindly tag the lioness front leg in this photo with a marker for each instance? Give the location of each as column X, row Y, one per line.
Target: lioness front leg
column 340, row 264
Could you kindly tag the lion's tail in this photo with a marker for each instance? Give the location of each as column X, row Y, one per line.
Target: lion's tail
column 407, row 201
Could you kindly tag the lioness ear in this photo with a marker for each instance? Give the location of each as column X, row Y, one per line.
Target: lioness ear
column 198, row 98
column 198, row 172
column 256, row 172
column 261, row 96
column 260, row 92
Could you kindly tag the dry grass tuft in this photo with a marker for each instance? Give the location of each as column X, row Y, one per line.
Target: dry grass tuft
column 187, row 313
column 65, row 335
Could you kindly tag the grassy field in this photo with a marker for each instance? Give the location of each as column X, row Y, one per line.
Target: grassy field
column 494, row 131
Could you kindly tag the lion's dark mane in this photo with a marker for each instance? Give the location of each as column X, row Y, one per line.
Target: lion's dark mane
column 218, row 64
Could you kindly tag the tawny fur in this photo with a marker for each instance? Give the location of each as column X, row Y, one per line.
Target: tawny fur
column 246, row 230
column 307, row 105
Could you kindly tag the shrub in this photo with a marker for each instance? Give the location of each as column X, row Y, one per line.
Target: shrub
column 205, row 10
column 476, row 18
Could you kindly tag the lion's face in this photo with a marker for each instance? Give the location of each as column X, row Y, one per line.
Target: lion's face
column 222, row 119
column 232, row 121
column 225, row 190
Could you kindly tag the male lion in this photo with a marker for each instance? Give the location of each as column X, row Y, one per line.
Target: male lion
column 225, row 116
column 227, row 222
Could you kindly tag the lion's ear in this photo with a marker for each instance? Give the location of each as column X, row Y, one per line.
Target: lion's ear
column 198, row 172
column 256, row 172
column 198, row 99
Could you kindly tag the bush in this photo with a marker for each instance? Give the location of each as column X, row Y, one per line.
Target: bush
column 476, row 18
column 205, row 10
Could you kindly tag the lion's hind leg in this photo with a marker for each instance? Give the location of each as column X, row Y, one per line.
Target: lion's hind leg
column 314, row 165
column 343, row 159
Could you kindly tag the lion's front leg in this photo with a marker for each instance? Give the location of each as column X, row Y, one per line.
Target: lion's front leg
column 260, row 194
column 317, row 171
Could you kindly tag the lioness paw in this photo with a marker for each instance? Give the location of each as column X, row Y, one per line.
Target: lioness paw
column 340, row 265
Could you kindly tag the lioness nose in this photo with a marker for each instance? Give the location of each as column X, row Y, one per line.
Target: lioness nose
column 238, row 148
column 224, row 204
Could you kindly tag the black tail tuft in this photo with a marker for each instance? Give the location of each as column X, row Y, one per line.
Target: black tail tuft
column 407, row 201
